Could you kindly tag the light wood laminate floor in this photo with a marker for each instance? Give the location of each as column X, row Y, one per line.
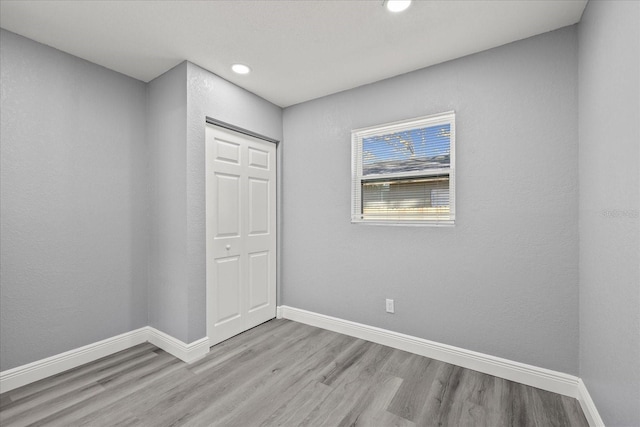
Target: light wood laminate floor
column 282, row 373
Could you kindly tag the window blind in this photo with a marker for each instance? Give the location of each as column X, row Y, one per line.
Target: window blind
column 404, row 172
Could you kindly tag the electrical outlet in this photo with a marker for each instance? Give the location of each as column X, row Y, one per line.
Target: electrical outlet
column 390, row 308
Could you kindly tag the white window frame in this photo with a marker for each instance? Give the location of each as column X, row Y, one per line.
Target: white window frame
column 357, row 136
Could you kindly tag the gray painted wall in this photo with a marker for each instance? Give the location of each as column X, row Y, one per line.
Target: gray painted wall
column 167, row 119
column 73, row 248
column 102, row 198
column 609, row 40
column 179, row 102
column 504, row 280
column 210, row 95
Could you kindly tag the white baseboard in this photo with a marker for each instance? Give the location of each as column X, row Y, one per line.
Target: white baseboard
column 40, row 369
column 545, row 379
column 186, row 352
column 588, row 407
column 26, row 374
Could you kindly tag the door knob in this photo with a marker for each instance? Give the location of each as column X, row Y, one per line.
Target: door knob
column 228, row 247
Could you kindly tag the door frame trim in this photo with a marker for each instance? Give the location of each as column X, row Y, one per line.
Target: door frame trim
column 232, row 127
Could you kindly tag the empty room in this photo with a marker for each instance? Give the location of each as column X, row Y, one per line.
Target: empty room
column 320, row 213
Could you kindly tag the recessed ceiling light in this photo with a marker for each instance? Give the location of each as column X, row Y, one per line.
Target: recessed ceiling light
column 396, row 5
column 240, row 69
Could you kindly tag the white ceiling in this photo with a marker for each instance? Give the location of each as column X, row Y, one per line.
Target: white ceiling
column 298, row 50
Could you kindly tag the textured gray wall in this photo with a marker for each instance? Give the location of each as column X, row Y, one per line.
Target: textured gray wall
column 102, row 211
column 504, row 280
column 179, row 102
column 167, row 122
column 210, row 95
column 73, row 249
column 609, row 40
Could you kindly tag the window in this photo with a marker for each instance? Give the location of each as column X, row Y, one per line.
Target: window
column 403, row 172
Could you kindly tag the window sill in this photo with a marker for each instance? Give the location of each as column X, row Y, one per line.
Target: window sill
column 405, row 223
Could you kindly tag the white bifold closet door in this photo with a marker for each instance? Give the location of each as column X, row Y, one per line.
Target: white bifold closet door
column 241, row 232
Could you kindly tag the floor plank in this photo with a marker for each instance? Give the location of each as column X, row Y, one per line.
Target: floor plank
column 282, row 373
column 31, row 401
column 418, row 375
